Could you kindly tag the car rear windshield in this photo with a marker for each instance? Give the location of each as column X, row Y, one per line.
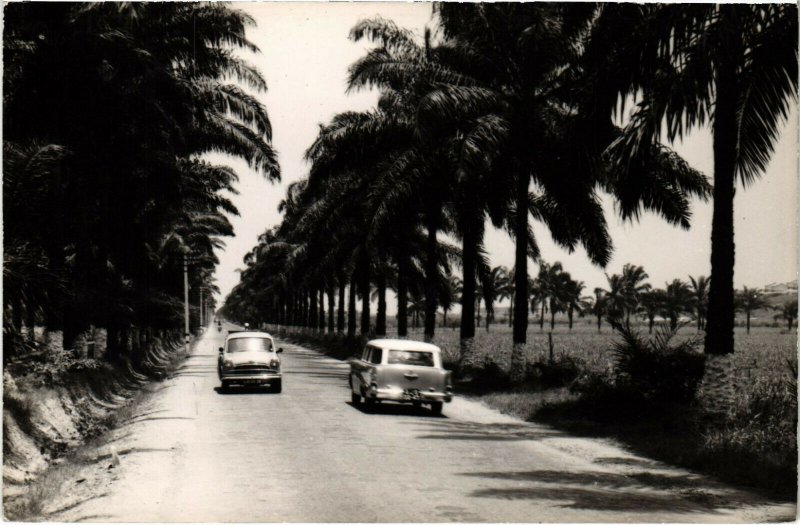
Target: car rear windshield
column 406, row 357
column 251, row 344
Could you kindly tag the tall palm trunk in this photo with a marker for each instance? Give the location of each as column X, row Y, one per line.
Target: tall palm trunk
column 340, row 313
column 380, row 319
column 520, row 295
column 431, row 274
column 312, row 309
column 469, row 252
column 351, row 307
column 541, row 318
column 717, row 389
column 365, row 289
column 331, row 307
column 321, row 322
column 402, row 297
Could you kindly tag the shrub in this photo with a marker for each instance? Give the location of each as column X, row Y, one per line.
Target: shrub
column 561, row 371
column 656, row 371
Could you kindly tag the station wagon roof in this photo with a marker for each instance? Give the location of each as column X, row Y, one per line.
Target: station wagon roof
column 403, row 344
column 250, row 334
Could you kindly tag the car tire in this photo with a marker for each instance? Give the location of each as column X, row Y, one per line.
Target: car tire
column 436, row 407
column 276, row 387
column 355, row 399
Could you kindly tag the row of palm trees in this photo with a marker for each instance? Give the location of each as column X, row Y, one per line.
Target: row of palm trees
column 506, row 112
column 107, row 110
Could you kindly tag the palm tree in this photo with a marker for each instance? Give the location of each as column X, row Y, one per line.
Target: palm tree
column 615, row 298
column 734, row 66
column 598, row 307
column 633, row 277
column 700, row 290
column 573, row 299
column 748, row 300
column 651, row 303
column 525, row 85
column 129, row 181
column 788, row 312
column 494, row 287
column 675, row 301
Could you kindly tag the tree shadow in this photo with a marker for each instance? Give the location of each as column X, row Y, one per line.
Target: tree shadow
column 395, row 409
column 641, row 492
column 632, row 462
column 78, row 503
column 465, row 431
column 128, row 423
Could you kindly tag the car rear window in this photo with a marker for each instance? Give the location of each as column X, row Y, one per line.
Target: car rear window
column 406, row 357
column 249, row 344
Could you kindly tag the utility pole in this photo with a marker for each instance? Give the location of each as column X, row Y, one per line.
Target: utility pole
column 185, row 303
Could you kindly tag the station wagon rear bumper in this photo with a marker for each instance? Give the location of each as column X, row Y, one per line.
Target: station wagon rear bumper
column 401, row 396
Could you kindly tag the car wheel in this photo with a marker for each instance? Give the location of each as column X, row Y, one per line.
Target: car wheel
column 276, row 387
column 355, row 399
column 436, row 407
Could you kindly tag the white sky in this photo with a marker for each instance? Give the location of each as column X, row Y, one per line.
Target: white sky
column 304, row 57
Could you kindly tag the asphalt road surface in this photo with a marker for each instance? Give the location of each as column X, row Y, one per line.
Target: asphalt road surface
column 191, row 453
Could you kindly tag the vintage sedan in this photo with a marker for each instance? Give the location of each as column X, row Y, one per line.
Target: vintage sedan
column 249, row 358
column 402, row 371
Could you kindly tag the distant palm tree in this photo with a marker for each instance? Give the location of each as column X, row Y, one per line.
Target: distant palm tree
column 788, row 312
column 633, row 277
column 598, row 306
column 573, row 299
column 700, row 291
column 615, row 298
column 650, row 303
column 748, row 300
column 676, row 300
column 494, row 287
column 454, row 293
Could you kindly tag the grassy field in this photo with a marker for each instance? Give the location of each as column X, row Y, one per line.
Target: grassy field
column 764, row 352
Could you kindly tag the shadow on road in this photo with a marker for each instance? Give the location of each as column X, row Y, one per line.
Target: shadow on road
column 395, row 409
column 465, row 431
column 639, row 492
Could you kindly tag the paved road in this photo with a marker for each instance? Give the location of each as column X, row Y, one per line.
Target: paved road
column 306, row 455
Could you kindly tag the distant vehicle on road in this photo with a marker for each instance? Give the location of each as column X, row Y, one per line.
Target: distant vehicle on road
column 402, row 371
column 249, row 358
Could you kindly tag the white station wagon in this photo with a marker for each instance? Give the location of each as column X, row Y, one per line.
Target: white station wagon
column 249, row 358
column 402, row 371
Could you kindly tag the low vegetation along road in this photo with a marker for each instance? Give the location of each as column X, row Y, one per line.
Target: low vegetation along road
column 192, row 453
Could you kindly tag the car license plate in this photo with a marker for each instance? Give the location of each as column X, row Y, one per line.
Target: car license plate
column 411, row 394
column 253, row 382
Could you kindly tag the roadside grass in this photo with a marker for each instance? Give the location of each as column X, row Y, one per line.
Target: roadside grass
column 754, row 445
